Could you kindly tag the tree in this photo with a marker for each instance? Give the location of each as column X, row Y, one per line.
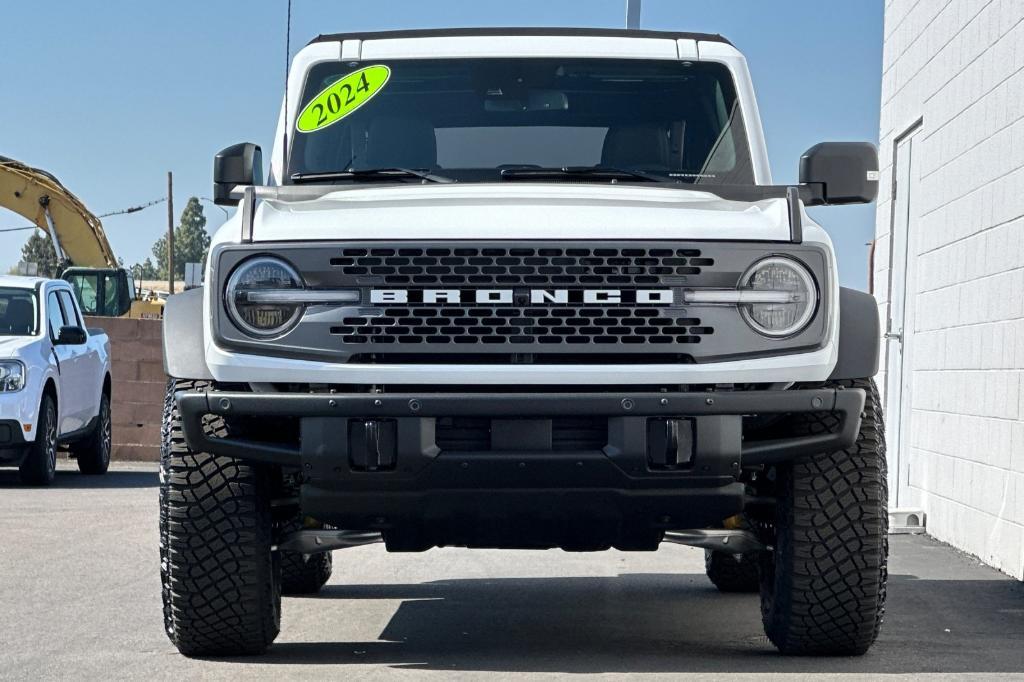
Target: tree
column 145, row 270
column 39, row 249
column 191, row 241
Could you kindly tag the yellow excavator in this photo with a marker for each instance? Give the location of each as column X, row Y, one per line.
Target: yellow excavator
column 84, row 255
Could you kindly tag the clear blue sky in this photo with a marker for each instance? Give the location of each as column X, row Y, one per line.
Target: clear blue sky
column 111, row 95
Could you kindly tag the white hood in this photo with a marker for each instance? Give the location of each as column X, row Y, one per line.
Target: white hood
column 520, row 211
column 13, row 346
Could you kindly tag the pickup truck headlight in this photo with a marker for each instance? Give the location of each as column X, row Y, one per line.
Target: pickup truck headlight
column 789, row 300
column 12, row 376
column 258, row 298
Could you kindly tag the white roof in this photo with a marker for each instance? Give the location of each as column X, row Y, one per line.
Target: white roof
column 19, row 282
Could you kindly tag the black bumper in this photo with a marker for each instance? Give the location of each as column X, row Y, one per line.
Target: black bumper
column 12, row 443
column 523, row 491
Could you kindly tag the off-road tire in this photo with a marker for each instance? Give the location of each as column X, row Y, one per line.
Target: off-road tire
column 93, row 452
column 303, row 573
column 732, row 572
column 823, row 586
column 40, row 464
column 221, row 582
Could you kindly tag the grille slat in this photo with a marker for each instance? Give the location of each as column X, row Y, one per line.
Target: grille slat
column 483, row 266
column 558, row 327
column 495, row 324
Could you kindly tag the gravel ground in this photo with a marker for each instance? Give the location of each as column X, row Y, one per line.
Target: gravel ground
column 80, row 598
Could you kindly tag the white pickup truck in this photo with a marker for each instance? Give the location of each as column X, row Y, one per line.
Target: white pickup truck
column 525, row 288
column 54, row 381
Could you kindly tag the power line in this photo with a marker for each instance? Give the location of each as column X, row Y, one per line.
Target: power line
column 134, row 209
column 123, row 211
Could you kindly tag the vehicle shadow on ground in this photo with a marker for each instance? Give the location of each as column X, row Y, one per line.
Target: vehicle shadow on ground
column 660, row 623
column 70, row 478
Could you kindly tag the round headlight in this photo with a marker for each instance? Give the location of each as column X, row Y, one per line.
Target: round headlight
column 257, row 296
column 791, row 309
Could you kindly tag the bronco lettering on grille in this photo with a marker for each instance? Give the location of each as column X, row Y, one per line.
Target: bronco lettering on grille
column 530, row 296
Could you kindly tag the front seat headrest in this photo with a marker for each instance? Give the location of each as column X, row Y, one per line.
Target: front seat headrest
column 400, row 142
column 636, row 146
column 20, row 316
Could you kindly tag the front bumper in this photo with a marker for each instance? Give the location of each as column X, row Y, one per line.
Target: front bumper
column 516, row 492
column 20, row 410
column 12, row 443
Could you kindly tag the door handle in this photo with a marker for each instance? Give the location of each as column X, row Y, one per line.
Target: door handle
column 893, row 335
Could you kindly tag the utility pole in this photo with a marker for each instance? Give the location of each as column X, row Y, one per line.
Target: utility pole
column 170, row 234
column 633, row 14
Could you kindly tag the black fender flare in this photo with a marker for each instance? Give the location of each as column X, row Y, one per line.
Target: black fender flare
column 859, row 336
column 185, row 357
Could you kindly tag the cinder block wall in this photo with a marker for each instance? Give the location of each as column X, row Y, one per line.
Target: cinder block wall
column 959, row 67
column 138, row 383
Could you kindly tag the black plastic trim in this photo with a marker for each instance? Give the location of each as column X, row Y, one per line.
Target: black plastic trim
column 10, row 433
column 859, row 335
column 79, row 434
column 847, row 403
column 518, row 31
column 185, row 356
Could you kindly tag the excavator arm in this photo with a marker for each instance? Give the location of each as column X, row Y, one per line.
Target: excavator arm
column 76, row 233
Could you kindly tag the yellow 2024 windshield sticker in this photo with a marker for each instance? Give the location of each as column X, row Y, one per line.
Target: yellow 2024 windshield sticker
column 342, row 97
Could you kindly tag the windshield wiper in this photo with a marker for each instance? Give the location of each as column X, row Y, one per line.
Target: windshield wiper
column 595, row 172
column 369, row 174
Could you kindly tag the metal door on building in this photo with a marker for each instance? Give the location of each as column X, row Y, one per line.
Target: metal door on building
column 899, row 326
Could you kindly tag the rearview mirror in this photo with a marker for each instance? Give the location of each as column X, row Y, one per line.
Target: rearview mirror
column 239, row 164
column 71, row 335
column 847, row 172
column 535, row 100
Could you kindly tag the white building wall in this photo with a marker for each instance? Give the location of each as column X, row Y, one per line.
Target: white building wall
column 958, row 66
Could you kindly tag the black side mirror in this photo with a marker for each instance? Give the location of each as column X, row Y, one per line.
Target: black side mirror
column 71, row 336
column 239, row 164
column 847, row 172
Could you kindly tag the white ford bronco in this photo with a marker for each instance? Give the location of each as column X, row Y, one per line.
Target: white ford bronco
column 524, row 288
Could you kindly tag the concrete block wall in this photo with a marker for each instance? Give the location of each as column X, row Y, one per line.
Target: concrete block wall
column 958, row 66
column 138, row 386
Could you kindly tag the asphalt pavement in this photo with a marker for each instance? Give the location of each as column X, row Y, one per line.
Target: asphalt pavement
column 80, row 598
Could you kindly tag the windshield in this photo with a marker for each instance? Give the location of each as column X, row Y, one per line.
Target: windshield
column 470, row 119
column 19, row 312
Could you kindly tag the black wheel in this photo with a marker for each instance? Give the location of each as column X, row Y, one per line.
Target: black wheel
column 732, row 572
column 303, row 573
column 93, row 453
column 40, row 464
column 221, row 582
column 823, row 587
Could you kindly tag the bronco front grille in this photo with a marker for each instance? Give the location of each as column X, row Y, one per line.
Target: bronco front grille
column 516, row 265
column 548, row 326
column 547, row 302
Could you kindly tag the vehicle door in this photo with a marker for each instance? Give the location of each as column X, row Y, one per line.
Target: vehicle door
column 88, row 363
column 87, row 290
column 70, row 406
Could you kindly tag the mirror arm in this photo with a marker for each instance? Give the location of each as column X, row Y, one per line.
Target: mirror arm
column 812, row 193
column 248, row 213
column 796, row 219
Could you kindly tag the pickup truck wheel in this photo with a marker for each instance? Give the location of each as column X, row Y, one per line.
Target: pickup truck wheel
column 40, row 464
column 221, row 582
column 93, row 453
column 823, row 587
